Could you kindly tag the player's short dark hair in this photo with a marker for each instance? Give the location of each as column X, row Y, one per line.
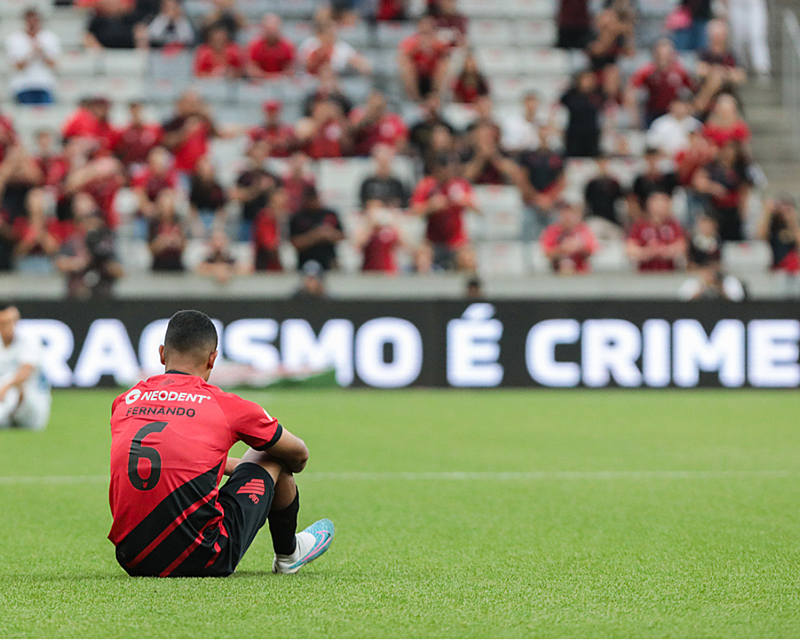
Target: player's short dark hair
column 191, row 332
column 6, row 304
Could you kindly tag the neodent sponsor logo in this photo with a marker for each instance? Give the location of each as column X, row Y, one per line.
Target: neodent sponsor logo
column 173, row 396
column 133, row 396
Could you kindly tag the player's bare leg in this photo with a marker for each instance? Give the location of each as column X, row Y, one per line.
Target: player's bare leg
column 292, row 550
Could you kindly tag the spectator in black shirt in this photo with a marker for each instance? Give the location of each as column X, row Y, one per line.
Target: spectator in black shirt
column 115, row 25
column 603, row 195
column 327, row 89
column 779, row 225
column 207, row 197
column 167, row 238
column 219, row 263
column 315, row 231
column 542, row 185
column 253, row 187
column 584, row 101
column 383, row 185
column 652, row 180
column 421, row 133
column 225, row 15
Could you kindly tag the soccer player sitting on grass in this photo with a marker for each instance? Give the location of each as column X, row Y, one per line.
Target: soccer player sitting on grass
column 170, row 437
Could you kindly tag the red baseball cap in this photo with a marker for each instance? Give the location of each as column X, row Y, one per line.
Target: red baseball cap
column 273, row 105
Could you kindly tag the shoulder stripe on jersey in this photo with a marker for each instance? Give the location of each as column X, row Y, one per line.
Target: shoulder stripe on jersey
column 271, row 442
column 156, row 524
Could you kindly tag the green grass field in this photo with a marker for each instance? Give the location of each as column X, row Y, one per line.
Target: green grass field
column 497, row 514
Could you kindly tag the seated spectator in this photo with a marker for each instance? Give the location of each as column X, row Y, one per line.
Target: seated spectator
column 88, row 256
column 484, row 115
column 252, row 188
column 661, row 80
column 423, row 61
column 170, row 28
column 313, row 283
column 653, row 179
column 725, row 183
column 268, row 231
column 207, row 199
column 135, row 141
column 8, row 136
column 614, row 39
column 34, row 54
column 116, row 24
column 420, row 135
column 20, row 175
column 725, row 124
column 470, row 82
column 717, row 68
column 326, row 133
column 101, row 178
column 656, row 241
column 568, row 243
column 670, row 133
column 167, row 238
column 584, row 102
column 37, row 238
column 574, row 24
column 521, row 132
column 483, row 162
column 383, row 186
column 327, row 89
column 219, row 263
column 225, row 14
column 780, row 226
column 543, row 185
column 271, row 53
column 705, row 245
column 391, row 10
column 91, row 121
column 451, row 26
column 326, row 49
column 218, row 57
column 705, row 262
column 604, row 194
column 278, row 135
column 297, row 177
column 188, row 133
column 379, row 239
column 375, row 125
column 443, row 198
column 46, row 153
column 442, row 142
column 314, row 232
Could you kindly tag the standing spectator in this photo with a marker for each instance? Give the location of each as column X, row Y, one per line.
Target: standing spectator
column 225, row 14
column 748, row 19
column 167, row 238
column 383, row 186
column 326, row 49
column 189, row 132
column 218, row 57
column 88, row 256
column 101, row 178
column 604, row 195
column 326, row 134
column 443, row 198
column 584, row 102
column 521, row 132
column 278, row 135
column 544, row 169
column 483, row 162
column 135, row 141
column 390, row 10
column 451, row 25
column 725, row 124
column 268, row 231
column 697, row 155
column 470, row 83
column 327, row 89
column 379, row 240
column 779, row 225
column 148, row 183
column 253, row 187
column 297, row 177
column 705, row 261
column 670, row 133
column 46, row 152
column 614, row 39
column 656, row 241
column 724, row 181
column 662, row 80
column 423, row 61
column 691, row 31
column 115, row 24
column 717, row 68
column 8, row 136
column 653, row 179
column 375, row 125
column 34, row 54
column 568, row 243
column 91, row 121
column 315, row 231
column 574, row 24
column 207, row 199
column 271, row 53
column 170, row 28
column 219, row 262
column 421, row 133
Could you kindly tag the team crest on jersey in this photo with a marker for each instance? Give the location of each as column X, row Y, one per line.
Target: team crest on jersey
column 133, row 396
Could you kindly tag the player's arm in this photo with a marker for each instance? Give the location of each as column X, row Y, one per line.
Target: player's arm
column 23, row 373
column 290, row 450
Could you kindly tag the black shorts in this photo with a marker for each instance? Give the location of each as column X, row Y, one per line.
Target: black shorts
column 246, row 510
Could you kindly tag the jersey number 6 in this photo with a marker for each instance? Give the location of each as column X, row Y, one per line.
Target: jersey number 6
column 139, row 451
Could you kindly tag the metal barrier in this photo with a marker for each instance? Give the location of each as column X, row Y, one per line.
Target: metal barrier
column 791, row 72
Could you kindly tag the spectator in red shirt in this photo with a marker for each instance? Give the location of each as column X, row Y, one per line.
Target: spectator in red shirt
column 45, row 151
column 451, row 25
column 277, row 134
column 218, row 57
column 137, row 139
column 568, row 243
column 442, row 199
column 326, row 134
column 207, row 199
column 167, row 238
column 574, row 24
column 698, row 154
column 267, row 231
column 423, row 60
column 470, row 83
column 8, row 136
column 725, row 124
column 271, row 53
column 484, row 162
column 91, row 121
column 656, row 242
column 149, row 181
column 379, row 240
column 101, row 178
column 662, row 81
column 374, row 124
column 188, row 134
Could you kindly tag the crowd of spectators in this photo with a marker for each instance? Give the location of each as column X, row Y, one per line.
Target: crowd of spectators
column 59, row 198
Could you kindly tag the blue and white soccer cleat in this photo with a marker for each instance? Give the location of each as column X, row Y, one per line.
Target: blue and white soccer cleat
column 311, row 544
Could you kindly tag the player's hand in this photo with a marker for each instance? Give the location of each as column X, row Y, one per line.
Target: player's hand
column 230, row 465
column 3, row 392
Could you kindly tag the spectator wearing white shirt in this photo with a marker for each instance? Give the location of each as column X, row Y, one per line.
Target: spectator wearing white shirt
column 34, row 53
column 521, row 132
column 326, row 49
column 171, row 27
column 670, row 133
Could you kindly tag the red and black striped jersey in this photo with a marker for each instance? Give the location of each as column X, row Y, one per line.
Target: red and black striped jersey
column 170, row 437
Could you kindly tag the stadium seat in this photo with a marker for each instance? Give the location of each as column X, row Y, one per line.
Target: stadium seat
column 176, row 67
column 459, row 115
column 349, row 257
column 498, row 60
column 490, row 32
column 501, row 209
column 256, row 93
column 357, row 88
column 340, row 179
column 358, row 35
column 126, row 64
column 545, row 9
column 754, row 256
column 534, row 33
column 69, row 26
column 544, row 62
column 10, row 9
column 503, row 259
column 79, row 63
column 295, row 30
column 390, row 34
column 611, row 258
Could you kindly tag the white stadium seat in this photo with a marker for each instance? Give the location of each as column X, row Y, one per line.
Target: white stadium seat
column 498, row 60
column 544, row 62
column 501, row 259
column 391, row 34
column 752, row 256
column 490, row 32
column 537, row 33
column 501, row 209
